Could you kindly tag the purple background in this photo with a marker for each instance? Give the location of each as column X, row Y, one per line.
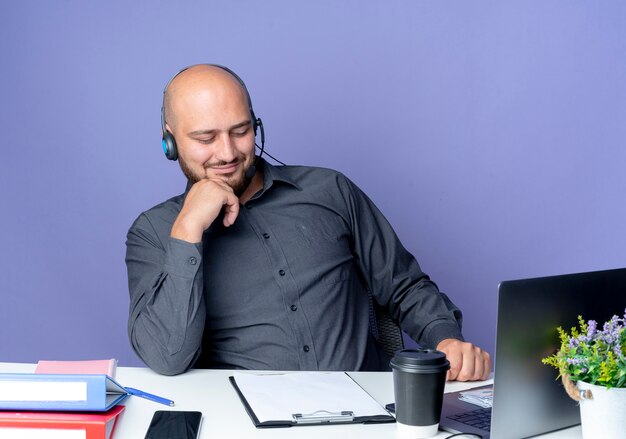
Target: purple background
column 491, row 134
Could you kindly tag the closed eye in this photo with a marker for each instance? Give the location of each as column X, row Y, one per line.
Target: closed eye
column 206, row 141
column 240, row 132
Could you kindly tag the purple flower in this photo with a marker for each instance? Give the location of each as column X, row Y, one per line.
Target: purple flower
column 610, row 331
column 592, row 328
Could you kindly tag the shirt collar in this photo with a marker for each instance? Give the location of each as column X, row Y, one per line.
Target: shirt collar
column 273, row 174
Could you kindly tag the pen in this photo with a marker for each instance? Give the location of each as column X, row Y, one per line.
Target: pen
column 150, row 396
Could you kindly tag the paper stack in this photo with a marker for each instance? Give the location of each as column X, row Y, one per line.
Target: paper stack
column 482, row 397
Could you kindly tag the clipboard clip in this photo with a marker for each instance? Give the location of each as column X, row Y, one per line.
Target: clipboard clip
column 322, row 417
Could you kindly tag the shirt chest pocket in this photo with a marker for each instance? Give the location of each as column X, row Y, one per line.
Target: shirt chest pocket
column 322, row 241
column 319, row 232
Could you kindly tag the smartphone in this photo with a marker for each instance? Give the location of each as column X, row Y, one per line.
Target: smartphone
column 170, row 424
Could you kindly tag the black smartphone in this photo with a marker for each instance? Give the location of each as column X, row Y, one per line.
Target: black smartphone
column 170, row 424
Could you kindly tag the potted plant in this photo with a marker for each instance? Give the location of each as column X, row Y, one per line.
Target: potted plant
column 592, row 364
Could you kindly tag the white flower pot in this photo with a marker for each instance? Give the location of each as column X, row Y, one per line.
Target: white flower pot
column 604, row 415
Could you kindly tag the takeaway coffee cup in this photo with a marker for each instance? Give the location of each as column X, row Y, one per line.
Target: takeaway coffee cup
column 419, row 377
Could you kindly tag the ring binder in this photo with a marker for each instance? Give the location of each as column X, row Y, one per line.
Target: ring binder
column 323, row 416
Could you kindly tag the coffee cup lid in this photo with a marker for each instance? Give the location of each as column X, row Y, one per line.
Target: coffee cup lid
column 420, row 360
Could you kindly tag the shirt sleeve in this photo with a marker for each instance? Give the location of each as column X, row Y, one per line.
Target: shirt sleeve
column 167, row 312
column 394, row 277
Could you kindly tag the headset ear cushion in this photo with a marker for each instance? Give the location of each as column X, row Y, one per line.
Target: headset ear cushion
column 169, row 146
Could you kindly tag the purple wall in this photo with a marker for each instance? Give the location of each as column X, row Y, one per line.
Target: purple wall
column 492, row 135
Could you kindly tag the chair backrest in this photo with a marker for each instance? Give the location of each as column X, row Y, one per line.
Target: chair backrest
column 386, row 332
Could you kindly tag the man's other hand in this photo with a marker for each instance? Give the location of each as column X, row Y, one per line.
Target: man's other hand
column 467, row 362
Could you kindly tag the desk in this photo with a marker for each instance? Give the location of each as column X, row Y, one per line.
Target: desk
column 210, row 392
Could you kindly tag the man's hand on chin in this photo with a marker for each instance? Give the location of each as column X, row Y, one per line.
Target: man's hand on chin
column 467, row 362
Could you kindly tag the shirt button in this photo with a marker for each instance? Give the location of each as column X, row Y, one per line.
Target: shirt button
column 281, row 272
column 293, row 307
column 248, row 206
column 306, row 348
column 266, row 235
column 192, row 260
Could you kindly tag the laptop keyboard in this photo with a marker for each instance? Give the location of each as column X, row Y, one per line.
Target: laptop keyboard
column 480, row 418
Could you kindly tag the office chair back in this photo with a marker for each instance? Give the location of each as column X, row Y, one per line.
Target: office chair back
column 386, row 332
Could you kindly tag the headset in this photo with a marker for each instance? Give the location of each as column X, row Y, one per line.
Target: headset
column 169, row 143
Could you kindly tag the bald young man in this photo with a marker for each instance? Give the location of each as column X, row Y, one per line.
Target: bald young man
column 270, row 269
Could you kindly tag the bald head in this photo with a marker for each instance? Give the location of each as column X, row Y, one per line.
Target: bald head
column 198, row 82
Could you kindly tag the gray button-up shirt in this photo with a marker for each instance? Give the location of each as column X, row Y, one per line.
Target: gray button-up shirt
column 285, row 287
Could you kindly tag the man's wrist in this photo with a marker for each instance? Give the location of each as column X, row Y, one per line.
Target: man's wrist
column 184, row 231
column 440, row 332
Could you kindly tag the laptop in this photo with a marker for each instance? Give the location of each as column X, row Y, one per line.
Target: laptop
column 527, row 398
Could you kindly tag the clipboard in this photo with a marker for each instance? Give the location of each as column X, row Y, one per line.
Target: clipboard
column 306, row 398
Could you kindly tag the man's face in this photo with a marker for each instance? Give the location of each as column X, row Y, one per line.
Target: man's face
column 214, row 133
